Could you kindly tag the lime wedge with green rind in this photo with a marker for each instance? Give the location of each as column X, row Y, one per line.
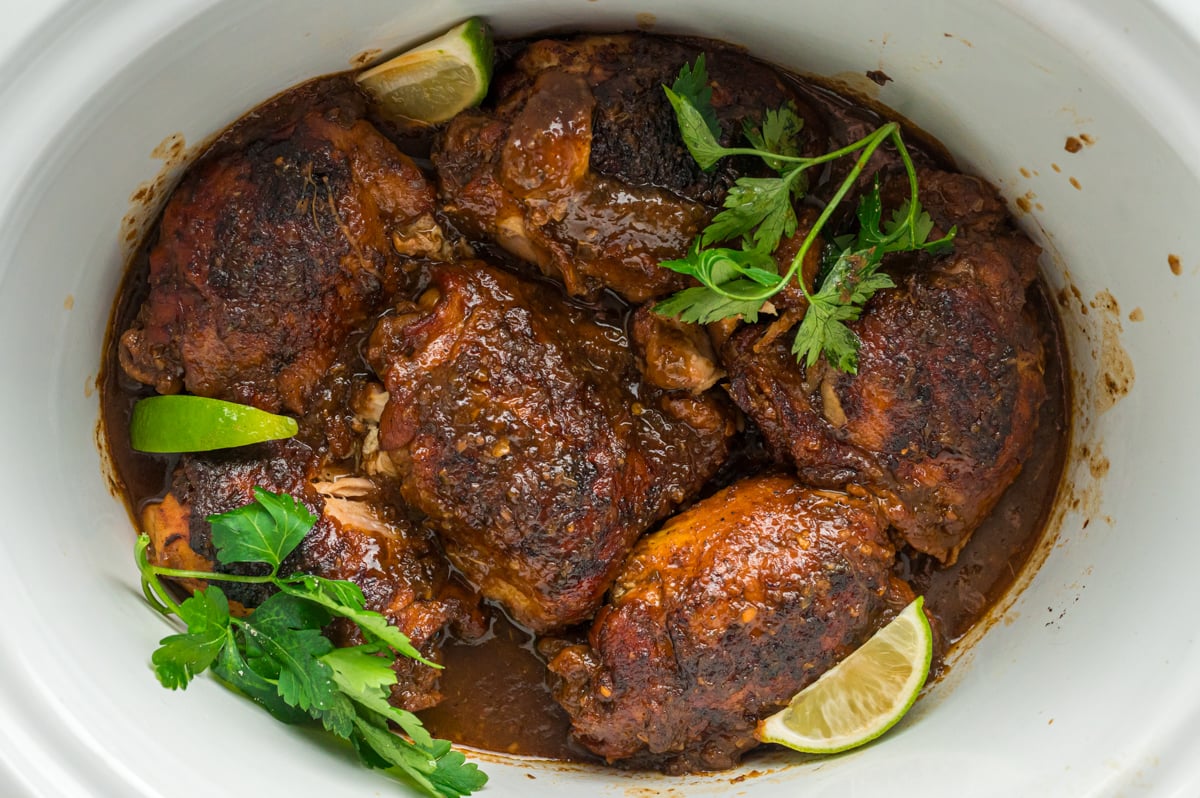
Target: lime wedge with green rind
column 433, row 82
column 182, row 423
column 862, row 696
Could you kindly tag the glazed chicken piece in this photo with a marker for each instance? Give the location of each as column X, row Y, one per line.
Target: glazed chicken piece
column 267, row 256
column 518, row 424
column 357, row 537
column 941, row 414
column 672, row 354
column 580, row 168
column 719, row 618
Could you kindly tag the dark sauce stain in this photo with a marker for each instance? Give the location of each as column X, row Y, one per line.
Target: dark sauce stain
column 1073, row 145
column 496, row 694
column 1175, row 265
column 879, row 76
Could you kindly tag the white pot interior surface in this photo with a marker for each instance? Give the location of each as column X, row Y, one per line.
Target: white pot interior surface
column 1085, row 684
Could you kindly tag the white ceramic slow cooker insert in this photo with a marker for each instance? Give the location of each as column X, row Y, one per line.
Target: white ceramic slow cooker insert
column 1085, row 685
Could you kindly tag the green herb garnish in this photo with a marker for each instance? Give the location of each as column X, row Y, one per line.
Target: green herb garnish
column 758, row 212
column 280, row 657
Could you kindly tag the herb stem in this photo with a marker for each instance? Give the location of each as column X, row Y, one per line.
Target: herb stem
column 911, row 170
column 868, row 144
column 890, row 130
column 157, row 595
column 213, row 576
column 803, row 162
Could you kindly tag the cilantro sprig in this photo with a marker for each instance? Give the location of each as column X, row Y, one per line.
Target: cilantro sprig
column 759, row 212
column 279, row 655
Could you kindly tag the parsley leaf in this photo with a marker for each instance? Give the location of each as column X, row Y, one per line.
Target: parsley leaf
column 758, row 205
column 438, row 769
column 293, row 647
column 702, row 305
column 180, row 657
column 362, row 673
column 345, row 599
column 779, row 133
column 850, row 282
column 697, row 135
column 455, row 776
column 233, row 669
column 280, row 657
column 692, row 85
column 266, row 531
column 726, row 275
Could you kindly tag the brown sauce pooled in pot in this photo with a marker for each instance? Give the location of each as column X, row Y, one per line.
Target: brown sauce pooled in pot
column 495, row 693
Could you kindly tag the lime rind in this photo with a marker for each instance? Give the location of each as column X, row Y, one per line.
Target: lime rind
column 183, row 423
column 878, row 683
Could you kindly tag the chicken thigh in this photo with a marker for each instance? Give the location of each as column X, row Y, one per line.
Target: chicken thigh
column 720, row 617
column 580, row 168
column 941, row 414
column 518, row 423
column 267, row 256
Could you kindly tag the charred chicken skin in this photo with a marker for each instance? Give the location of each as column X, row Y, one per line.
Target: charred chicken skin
column 941, row 414
column 520, row 427
column 580, row 168
column 268, row 256
column 358, row 537
column 720, row 617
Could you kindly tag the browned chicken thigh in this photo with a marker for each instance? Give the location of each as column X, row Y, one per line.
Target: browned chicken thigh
column 941, row 414
column 518, row 423
column 358, row 536
column 267, row 256
column 720, row 617
column 580, row 167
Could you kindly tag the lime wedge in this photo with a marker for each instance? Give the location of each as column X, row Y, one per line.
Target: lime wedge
column 862, row 696
column 436, row 80
column 195, row 424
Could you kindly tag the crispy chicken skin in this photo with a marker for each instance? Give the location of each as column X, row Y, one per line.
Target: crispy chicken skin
column 720, row 617
column 518, row 423
column 269, row 255
column 357, row 537
column 580, row 168
column 941, row 414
